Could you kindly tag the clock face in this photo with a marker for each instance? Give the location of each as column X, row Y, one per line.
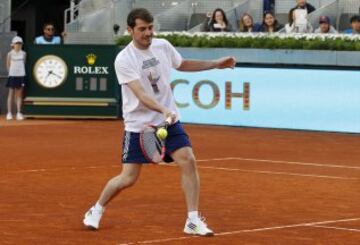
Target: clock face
column 50, row 71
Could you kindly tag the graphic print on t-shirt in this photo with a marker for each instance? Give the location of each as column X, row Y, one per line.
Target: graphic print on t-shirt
column 151, row 69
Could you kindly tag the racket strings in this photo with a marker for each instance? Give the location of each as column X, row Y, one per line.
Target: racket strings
column 158, row 144
column 152, row 146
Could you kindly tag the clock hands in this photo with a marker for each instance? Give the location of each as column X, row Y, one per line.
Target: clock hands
column 56, row 75
column 50, row 72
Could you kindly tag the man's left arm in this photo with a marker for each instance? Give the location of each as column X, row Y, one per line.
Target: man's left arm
column 202, row 65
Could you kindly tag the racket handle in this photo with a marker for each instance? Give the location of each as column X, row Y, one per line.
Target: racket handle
column 168, row 121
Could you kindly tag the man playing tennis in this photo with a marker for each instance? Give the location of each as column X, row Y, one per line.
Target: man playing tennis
column 143, row 69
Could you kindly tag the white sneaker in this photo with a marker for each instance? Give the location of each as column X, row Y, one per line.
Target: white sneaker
column 9, row 116
column 92, row 218
column 197, row 227
column 19, row 116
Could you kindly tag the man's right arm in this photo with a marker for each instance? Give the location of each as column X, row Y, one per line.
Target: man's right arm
column 148, row 101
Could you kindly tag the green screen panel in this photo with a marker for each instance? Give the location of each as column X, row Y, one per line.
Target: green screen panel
column 89, row 75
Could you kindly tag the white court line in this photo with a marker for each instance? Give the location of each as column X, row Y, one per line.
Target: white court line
column 209, row 160
column 200, row 167
column 61, row 169
column 13, row 220
column 336, row 228
column 282, row 162
column 311, row 224
column 280, row 173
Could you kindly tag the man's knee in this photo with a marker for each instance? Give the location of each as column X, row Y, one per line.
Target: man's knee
column 129, row 181
column 123, row 181
column 187, row 159
column 187, row 162
column 126, row 179
column 130, row 174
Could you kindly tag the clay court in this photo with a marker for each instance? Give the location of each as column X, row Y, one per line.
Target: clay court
column 259, row 186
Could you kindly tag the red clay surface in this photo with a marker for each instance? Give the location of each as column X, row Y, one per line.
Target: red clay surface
column 259, row 186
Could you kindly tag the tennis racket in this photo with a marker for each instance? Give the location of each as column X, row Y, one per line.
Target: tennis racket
column 152, row 147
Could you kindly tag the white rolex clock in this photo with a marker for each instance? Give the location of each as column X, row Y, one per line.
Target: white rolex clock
column 50, row 71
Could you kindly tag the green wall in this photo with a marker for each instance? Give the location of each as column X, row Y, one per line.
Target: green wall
column 90, row 89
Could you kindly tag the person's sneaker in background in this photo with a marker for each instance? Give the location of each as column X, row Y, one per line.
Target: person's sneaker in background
column 9, row 116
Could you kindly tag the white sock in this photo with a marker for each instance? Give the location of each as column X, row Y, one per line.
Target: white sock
column 98, row 207
column 193, row 215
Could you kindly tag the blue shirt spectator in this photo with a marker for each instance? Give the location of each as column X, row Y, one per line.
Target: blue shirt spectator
column 48, row 37
column 355, row 25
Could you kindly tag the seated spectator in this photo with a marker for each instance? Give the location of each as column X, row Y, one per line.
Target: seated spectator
column 302, row 4
column 219, row 22
column 247, row 24
column 355, row 25
column 48, row 36
column 298, row 22
column 270, row 24
column 325, row 26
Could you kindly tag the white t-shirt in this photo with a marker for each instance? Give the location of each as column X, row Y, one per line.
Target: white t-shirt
column 17, row 63
column 152, row 67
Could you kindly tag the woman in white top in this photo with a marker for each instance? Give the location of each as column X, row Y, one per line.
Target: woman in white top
column 16, row 82
column 298, row 22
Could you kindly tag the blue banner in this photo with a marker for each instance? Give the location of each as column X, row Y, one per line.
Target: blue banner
column 309, row 99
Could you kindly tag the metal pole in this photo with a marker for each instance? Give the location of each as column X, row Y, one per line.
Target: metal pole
column 5, row 16
column 338, row 14
column 72, row 7
column 8, row 25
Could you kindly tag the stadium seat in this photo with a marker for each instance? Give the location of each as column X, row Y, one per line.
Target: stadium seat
column 196, row 19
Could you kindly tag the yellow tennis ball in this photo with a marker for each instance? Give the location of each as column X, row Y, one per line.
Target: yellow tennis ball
column 161, row 133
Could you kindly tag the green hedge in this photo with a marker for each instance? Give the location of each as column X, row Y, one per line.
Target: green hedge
column 304, row 42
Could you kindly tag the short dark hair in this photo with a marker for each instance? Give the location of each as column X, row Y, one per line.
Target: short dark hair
column 355, row 18
column 139, row 13
column 48, row 24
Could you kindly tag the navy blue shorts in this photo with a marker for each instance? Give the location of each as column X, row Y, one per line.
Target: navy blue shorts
column 131, row 149
column 16, row 82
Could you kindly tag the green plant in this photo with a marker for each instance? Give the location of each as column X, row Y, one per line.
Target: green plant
column 259, row 41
